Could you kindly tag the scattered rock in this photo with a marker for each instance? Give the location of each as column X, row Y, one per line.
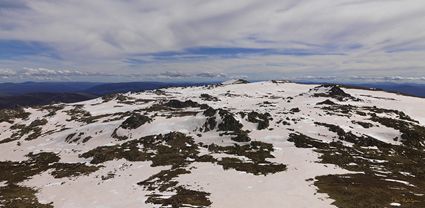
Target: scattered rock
column 333, row 91
column 261, row 119
column 135, row 121
column 208, row 97
column 326, row 102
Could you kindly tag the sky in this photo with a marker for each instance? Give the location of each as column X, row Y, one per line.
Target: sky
column 201, row 40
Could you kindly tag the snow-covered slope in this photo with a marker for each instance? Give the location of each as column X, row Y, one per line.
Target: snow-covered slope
column 264, row 144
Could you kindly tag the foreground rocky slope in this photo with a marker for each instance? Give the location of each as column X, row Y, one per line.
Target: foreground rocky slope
column 273, row 144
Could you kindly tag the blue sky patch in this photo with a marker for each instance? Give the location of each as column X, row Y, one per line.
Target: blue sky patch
column 230, row 52
column 11, row 49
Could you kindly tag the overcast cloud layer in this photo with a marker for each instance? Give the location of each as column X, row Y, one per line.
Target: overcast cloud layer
column 199, row 40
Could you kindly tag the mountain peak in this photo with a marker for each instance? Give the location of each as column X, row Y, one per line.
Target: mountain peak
column 235, row 81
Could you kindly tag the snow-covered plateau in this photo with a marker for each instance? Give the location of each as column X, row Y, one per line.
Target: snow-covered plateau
column 263, row 144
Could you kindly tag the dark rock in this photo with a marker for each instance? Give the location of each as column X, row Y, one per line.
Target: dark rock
column 208, row 97
column 261, row 119
column 210, row 124
column 229, row 123
column 295, row 110
column 326, row 102
column 135, row 121
column 210, row 112
column 180, row 104
column 334, row 92
column 241, row 137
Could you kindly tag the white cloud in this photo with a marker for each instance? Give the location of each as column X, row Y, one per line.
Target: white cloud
column 65, row 74
column 49, row 72
column 372, row 37
column 177, row 74
column 7, row 73
column 46, row 74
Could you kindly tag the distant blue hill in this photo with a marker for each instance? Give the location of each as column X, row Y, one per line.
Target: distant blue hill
column 108, row 88
column 408, row 89
column 41, row 93
column 411, row 89
column 15, row 89
column 42, row 98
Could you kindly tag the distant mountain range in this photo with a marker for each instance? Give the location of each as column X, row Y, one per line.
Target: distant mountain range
column 41, row 93
column 15, row 89
column 42, row 98
column 411, row 89
column 407, row 89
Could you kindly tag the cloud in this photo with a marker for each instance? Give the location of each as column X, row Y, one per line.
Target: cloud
column 108, row 27
column 7, row 73
column 48, row 74
column 359, row 78
column 239, row 37
column 210, row 75
column 172, row 74
column 400, row 78
column 175, row 74
column 12, row 4
column 65, row 74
